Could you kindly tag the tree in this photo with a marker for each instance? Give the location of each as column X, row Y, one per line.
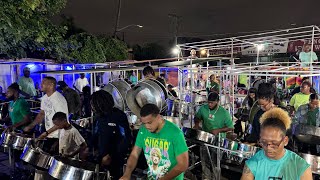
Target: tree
column 26, row 31
column 25, row 27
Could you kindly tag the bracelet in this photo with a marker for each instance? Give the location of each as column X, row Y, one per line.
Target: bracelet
column 47, row 133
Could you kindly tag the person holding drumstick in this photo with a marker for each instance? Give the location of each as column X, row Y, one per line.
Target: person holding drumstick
column 274, row 161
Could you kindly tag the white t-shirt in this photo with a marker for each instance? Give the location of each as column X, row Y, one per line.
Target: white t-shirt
column 50, row 105
column 80, row 83
column 69, row 140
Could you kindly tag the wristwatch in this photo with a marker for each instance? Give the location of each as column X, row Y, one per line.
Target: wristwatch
column 47, row 133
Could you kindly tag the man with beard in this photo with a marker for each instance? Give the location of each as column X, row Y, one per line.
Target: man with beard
column 275, row 162
column 19, row 109
column 158, row 133
column 215, row 120
column 51, row 103
column 26, row 84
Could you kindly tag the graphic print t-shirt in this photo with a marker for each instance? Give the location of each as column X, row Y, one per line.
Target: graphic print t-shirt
column 161, row 149
column 50, row 105
column 289, row 167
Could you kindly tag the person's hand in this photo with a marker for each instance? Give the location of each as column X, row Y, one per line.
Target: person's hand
column 42, row 136
column 196, row 126
column 125, row 177
column 27, row 129
column 215, row 132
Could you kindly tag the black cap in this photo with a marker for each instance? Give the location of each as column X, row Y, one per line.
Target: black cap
column 213, row 96
column 62, row 84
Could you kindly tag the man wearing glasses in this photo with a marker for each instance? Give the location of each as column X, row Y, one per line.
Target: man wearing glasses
column 275, row 162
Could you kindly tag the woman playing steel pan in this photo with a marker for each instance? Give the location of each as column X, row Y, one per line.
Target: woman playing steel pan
column 19, row 109
column 274, row 161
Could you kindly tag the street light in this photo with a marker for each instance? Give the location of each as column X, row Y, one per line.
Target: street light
column 131, row 25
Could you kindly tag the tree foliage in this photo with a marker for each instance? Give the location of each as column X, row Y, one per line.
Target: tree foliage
column 26, row 31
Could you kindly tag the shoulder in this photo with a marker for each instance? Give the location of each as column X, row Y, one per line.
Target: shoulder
column 172, row 126
column 254, row 161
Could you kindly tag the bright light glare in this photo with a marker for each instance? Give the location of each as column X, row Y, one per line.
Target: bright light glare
column 203, row 52
column 139, row 26
column 260, row 47
column 175, row 50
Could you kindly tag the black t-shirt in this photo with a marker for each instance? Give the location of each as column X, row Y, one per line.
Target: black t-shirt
column 114, row 135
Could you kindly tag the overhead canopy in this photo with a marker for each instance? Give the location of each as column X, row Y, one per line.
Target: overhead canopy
column 193, row 61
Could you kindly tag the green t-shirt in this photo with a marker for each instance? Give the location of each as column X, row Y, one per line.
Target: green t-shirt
column 18, row 109
column 27, row 85
column 214, row 119
column 161, row 149
column 243, row 79
column 213, row 85
column 312, row 116
column 299, row 99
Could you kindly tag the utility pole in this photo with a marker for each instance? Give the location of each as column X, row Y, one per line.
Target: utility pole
column 176, row 20
column 118, row 19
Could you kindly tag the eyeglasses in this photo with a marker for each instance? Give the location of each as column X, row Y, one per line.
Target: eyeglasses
column 272, row 145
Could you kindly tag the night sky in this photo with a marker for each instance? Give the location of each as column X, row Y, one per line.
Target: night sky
column 199, row 18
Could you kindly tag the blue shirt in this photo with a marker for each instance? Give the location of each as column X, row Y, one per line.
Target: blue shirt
column 289, row 167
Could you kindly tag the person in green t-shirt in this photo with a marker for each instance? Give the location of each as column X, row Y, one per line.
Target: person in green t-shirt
column 19, row 109
column 163, row 145
column 302, row 97
column 215, row 119
column 213, row 85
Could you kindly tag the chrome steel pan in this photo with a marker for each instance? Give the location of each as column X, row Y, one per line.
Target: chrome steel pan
column 314, row 162
column 36, row 157
column 118, row 89
column 307, row 134
column 198, row 135
column 68, row 169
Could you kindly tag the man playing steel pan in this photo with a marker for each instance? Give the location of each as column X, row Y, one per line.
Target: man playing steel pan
column 216, row 120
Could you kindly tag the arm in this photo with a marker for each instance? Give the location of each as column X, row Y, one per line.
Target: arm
column 217, row 131
column 182, row 165
column 247, row 174
column 80, row 148
column 26, row 120
column 307, row 175
column 196, row 123
column 131, row 163
column 45, row 134
column 38, row 120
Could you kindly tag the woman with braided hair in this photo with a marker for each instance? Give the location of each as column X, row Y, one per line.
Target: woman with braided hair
column 112, row 133
column 274, row 161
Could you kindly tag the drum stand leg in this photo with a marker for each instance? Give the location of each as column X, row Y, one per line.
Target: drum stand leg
column 215, row 170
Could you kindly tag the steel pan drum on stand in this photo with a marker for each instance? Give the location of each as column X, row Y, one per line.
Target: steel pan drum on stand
column 69, row 169
column 118, row 89
column 146, row 91
column 307, row 134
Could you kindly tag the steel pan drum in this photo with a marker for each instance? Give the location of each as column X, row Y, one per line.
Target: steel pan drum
column 20, row 141
column 174, row 120
column 198, row 135
column 307, row 134
column 7, row 139
column 36, row 157
column 68, row 169
column 118, row 89
column 146, row 91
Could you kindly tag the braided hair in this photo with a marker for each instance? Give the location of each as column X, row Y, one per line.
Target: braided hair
column 102, row 102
